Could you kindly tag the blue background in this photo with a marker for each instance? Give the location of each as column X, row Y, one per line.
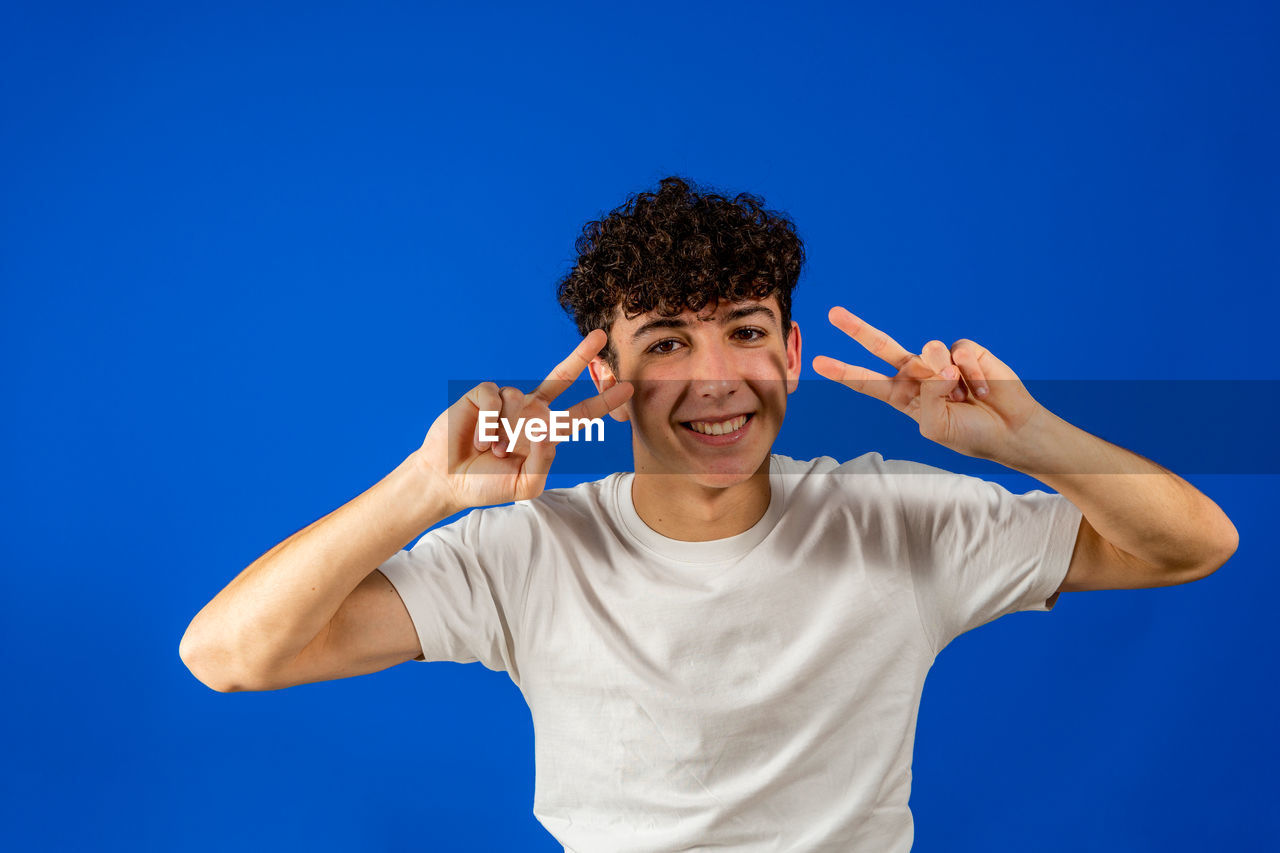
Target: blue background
column 245, row 246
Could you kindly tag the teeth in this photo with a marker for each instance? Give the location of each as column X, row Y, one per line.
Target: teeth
column 720, row 428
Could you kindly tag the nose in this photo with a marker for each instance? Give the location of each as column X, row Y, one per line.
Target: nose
column 715, row 376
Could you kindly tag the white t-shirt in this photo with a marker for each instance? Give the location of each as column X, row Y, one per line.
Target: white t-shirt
column 754, row 693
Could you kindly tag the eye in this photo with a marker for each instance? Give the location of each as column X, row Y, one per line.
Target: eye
column 752, row 333
column 661, row 348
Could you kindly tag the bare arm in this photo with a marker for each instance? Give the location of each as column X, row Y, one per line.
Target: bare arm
column 1143, row 525
column 314, row 608
column 277, row 615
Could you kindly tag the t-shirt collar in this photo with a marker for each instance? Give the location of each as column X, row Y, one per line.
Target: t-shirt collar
column 712, row 551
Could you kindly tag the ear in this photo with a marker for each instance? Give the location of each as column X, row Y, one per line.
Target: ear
column 793, row 358
column 603, row 377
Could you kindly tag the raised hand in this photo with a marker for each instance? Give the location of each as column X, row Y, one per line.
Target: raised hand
column 468, row 471
column 963, row 397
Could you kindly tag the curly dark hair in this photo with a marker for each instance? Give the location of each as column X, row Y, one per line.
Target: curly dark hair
column 679, row 249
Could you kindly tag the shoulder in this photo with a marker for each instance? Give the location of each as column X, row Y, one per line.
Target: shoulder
column 872, row 481
column 568, row 510
column 558, row 519
column 584, row 499
column 824, row 487
column 871, row 463
column 864, row 473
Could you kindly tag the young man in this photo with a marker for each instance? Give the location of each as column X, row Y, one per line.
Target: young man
column 727, row 647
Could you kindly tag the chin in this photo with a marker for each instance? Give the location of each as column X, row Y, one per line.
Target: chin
column 722, row 477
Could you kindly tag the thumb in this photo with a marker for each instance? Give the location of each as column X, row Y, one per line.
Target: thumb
column 935, row 416
column 533, row 473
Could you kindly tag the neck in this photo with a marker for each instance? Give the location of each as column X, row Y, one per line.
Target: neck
column 677, row 507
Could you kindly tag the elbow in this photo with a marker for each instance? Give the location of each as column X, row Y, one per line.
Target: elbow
column 1222, row 550
column 206, row 678
column 200, row 660
column 219, row 686
column 1230, row 542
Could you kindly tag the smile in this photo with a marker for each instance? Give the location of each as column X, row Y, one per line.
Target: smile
column 726, row 430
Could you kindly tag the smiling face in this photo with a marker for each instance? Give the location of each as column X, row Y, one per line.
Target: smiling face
column 710, row 387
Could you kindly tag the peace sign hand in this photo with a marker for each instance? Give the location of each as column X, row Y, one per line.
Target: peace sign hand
column 963, row 398
column 469, row 471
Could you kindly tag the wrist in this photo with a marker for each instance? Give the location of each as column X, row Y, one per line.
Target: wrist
column 427, row 491
column 1036, row 444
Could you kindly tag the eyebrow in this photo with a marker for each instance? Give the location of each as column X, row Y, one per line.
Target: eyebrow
column 677, row 323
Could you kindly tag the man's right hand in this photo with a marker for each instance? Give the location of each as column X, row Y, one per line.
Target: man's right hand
column 463, row 471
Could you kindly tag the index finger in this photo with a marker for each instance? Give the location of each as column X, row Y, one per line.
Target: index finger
column 602, row 403
column 568, row 371
column 872, row 339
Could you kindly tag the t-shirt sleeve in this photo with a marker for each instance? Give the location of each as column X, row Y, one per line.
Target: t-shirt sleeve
column 978, row 551
column 458, row 584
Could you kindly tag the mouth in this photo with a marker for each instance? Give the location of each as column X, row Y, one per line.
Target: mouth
column 722, row 431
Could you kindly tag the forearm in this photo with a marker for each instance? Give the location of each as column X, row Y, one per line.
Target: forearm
column 1138, row 506
column 274, row 608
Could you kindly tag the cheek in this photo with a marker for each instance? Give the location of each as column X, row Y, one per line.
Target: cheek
column 652, row 404
column 772, row 393
column 765, row 364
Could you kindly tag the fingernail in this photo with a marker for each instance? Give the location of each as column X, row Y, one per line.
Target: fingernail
column 949, row 372
column 982, row 392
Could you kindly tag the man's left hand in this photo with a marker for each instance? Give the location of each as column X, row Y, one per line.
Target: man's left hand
column 963, row 397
